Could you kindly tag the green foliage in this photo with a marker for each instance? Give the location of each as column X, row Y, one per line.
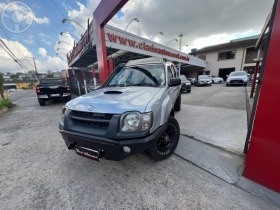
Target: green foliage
column 31, row 85
column 49, row 76
column 6, row 103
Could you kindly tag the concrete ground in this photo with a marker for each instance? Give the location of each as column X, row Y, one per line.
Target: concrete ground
column 216, row 115
column 39, row 172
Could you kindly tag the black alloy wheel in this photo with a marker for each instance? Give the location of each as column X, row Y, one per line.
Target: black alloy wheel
column 167, row 142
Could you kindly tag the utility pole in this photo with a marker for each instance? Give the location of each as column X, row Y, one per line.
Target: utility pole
column 36, row 73
column 180, row 45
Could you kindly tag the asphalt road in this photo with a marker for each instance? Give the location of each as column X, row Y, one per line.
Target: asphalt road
column 39, row 172
column 20, row 94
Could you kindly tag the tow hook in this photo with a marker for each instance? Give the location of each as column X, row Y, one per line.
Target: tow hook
column 71, row 146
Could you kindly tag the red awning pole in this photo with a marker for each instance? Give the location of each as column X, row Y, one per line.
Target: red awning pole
column 255, row 74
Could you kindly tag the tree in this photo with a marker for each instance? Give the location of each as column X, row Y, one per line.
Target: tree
column 1, row 86
column 49, row 76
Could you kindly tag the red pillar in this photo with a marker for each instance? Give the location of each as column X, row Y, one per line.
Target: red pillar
column 103, row 13
column 110, row 66
column 263, row 158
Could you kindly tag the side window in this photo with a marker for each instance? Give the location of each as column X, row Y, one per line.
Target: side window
column 170, row 74
column 176, row 72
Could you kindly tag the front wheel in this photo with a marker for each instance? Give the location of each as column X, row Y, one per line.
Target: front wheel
column 167, row 142
column 188, row 91
column 245, row 84
column 210, row 84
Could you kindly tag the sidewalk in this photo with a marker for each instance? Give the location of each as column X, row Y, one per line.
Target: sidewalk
column 224, row 165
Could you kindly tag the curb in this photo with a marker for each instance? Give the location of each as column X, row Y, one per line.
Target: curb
column 4, row 110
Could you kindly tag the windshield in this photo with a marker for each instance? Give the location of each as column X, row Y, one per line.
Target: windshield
column 51, row 81
column 237, row 73
column 182, row 77
column 203, row 77
column 144, row 75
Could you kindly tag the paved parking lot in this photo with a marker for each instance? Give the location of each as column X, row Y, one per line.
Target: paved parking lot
column 216, row 115
column 39, row 172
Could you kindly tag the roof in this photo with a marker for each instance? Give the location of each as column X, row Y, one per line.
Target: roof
column 245, row 38
column 232, row 44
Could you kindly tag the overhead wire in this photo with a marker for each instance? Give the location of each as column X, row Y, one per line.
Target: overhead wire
column 64, row 15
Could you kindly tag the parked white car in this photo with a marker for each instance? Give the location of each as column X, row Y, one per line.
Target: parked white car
column 216, row 79
column 237, row 78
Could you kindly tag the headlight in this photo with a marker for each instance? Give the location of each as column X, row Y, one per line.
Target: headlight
column 131, row 121
column 136, row 121
column 63, row 112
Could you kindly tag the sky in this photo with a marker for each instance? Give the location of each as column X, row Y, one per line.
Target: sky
column 202, row 23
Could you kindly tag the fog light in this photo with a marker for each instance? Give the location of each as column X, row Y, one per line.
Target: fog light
column 126, row 149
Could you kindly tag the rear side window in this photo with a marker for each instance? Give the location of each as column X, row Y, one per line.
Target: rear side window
column 176, row 72
column 170, row 73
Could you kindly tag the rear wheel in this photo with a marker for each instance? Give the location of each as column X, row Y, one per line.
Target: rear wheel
column 167, row 142
column 227, row 84
column 177, row 105
column 68, row 98
column 42, row 102
column 188, row 91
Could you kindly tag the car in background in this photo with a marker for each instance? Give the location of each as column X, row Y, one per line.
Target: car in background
column 203, row 80
column 237, row 78
column 252, row 77
column 12, row 90
column 52, row 89
column 192, row 80
column 185, row 84
column 216, row 79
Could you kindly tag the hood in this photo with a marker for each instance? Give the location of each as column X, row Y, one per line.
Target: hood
column 115, row 100
column 237, row 77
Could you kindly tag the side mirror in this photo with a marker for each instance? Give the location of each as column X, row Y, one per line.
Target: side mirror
column 174, row 82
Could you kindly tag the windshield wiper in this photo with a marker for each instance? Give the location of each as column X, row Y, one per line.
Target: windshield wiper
column 116, row 85
column 150, row 85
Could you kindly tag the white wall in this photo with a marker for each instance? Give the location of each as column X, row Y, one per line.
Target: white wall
column 213, row 64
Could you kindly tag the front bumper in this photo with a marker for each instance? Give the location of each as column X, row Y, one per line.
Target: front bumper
column 111, row 149
column 51, row 96
column 204, row 83
column 185, row 87
column 236, row 82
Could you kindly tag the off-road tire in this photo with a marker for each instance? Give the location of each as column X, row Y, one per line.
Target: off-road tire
column 177, row 105
column 42, row 102
column 172, row 129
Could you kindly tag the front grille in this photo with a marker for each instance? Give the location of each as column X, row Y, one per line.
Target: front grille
column 92, row 124
column 236, row 81
column 91, row 119
column 92, row 115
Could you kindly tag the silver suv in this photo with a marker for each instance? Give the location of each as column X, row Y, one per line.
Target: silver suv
column 132, row 111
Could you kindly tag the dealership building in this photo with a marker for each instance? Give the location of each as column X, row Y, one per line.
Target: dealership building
column 121, row 46
column 236, row 55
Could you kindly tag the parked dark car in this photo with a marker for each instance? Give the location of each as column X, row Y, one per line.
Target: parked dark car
column 52, row 89
column 185, row 84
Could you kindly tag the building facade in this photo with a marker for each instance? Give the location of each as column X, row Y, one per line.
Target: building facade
column 237, row 55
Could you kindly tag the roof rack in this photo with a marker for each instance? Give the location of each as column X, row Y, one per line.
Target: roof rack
column 146, row 60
